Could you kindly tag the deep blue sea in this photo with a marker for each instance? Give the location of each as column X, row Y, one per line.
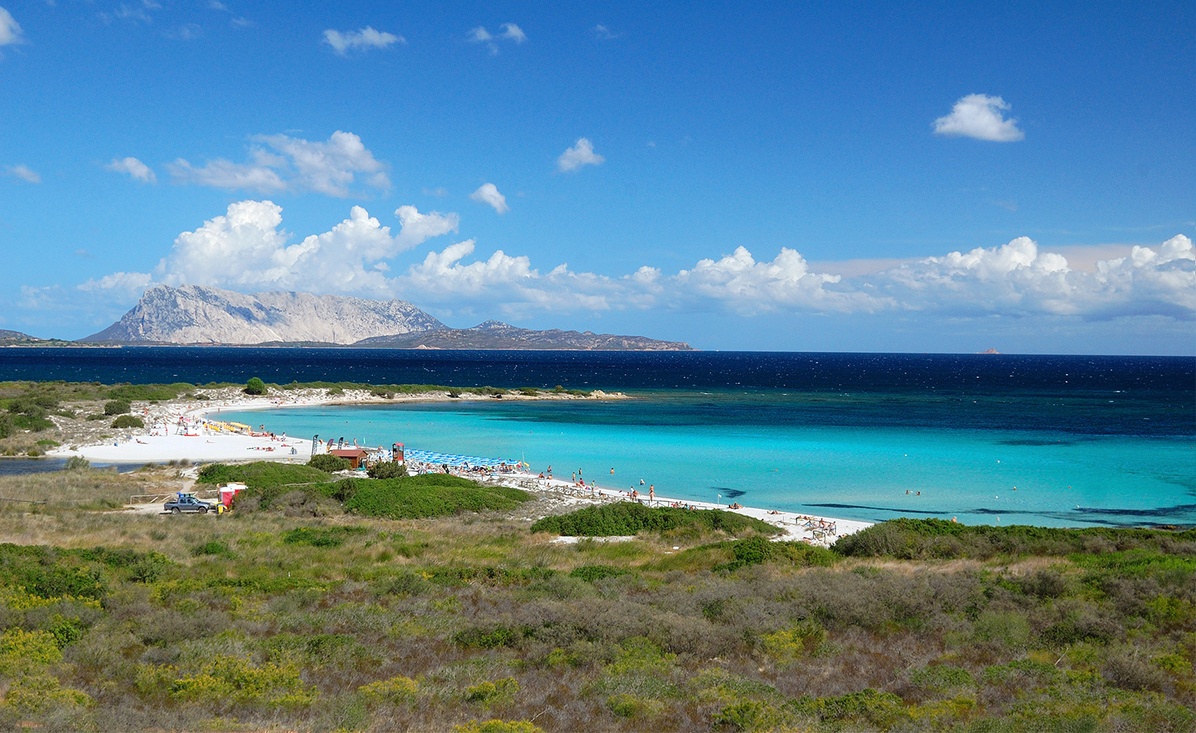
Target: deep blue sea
column 1047, row 440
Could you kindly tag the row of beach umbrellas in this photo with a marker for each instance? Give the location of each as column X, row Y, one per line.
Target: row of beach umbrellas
column 423, row 456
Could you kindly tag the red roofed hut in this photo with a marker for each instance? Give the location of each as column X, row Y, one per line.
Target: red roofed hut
column 354, row 455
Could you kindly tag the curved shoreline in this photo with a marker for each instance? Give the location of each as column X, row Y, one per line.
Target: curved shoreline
column 150, row 445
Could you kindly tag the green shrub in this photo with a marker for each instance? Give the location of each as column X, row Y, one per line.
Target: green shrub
column 255, row 386
column 116, row 407
column 387, row 469
column 41, row 694
column 489, row 637
column 429, row 495
column 942, row 679
column 213, row 547
column 393, row 691
column 788, row 645
column 262, row 474
column 936, row 538
column 498, row 692
column 128, row 421
column 626, row 705
column 869, row 707
column 229, row 679
column 629, row 518
column 320, row 537
column 77, row 463
column 751, row 715
column 329, row 463
column 27, row 652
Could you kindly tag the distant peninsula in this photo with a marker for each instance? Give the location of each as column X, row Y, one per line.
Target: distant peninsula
column 204, row 316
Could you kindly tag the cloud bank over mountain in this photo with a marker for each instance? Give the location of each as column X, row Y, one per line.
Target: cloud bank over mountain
column 247, row 249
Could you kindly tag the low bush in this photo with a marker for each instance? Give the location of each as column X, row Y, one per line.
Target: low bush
column 387, row 469
column 489, row 637
column 329, row 463
column 255, row 386
column 429, row 495
column 757, row 550
column 228, row 679
column 393, row 691
column 919, row 539
column 867, row 707
column 262, row 474
column 787, row 646
column 116, row 407
column 128, row 421
column 213, row 547
column 77, row 463
column 629, row 518
column 488, row 693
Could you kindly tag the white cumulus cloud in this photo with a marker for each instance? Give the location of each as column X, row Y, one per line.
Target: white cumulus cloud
column 10, row 30
column 488, row 193
column 507, row 32
column 581, row 154
column 1018, row 279
column 365, row 39
column 134, row 168
column 750, row 286
column 24, row 172
column 247, row 249
column 979, row 116
column 221, row 173
column 291, row 164
column 512, row 32
column 122, row 285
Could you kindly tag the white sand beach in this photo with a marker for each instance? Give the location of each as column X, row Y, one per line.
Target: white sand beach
column 191, row 431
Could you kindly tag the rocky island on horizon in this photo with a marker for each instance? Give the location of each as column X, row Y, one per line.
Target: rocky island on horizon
column 196, row 315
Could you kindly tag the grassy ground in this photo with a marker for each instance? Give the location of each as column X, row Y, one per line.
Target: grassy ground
column 275, row 619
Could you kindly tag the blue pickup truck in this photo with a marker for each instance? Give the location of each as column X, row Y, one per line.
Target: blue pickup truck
column 186, row 502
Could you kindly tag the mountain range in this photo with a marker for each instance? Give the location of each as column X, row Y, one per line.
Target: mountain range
column 200, row 315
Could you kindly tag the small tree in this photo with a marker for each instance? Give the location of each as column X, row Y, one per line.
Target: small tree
column 255, row 386
column 331, row 464
column 128, row 421
column 116, row 407
column 387, row 469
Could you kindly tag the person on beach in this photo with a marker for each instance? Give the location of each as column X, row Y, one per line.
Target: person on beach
column 612, row 472
column 652, row 494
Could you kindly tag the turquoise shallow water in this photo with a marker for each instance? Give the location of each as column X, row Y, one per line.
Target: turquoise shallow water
column 798, row 453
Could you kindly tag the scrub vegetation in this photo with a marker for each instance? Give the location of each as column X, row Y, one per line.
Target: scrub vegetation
column 312, row 608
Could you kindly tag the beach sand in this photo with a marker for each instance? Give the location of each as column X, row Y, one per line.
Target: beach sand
column 160, row 442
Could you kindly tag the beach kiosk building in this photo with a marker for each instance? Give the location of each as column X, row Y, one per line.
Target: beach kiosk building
column 355, row 456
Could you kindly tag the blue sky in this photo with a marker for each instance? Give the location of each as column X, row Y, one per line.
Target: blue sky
column 881, row 177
